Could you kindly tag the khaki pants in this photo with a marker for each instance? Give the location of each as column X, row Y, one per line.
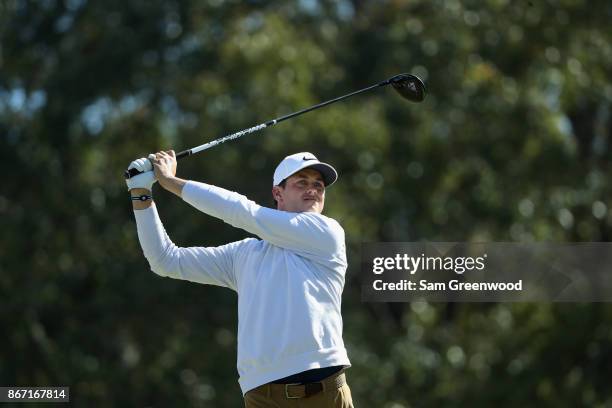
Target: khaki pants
column 335, row 393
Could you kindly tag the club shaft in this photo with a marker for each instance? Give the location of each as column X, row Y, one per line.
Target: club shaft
column 208, row 145
column 224, row 139
column 322, row 104
column 273, row 122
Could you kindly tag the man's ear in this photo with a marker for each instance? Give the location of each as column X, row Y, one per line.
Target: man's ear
column 276, row 193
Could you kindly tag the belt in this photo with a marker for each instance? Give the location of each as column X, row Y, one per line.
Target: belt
column 303, row 390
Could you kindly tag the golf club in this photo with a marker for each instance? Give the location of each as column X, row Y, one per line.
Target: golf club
column 409, row 86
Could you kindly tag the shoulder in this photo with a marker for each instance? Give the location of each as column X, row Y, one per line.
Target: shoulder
column 322, row 219
column 323, row 224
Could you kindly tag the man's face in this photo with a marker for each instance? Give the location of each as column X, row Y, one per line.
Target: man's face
column 303, row 192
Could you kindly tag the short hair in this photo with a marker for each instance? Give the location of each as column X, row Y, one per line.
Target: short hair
column 281, row 184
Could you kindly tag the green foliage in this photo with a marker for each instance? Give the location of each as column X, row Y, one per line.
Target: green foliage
column 513, row 143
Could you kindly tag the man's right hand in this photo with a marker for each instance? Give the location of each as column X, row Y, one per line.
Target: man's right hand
column 144, row 180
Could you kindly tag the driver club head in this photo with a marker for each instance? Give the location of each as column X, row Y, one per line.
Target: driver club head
column 409, row 86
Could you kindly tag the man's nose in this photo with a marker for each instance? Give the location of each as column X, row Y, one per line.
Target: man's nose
column 312, row 189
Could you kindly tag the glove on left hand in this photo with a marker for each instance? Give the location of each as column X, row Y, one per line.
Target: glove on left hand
column 147, row 177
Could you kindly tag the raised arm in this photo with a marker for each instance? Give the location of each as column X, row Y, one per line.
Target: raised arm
column 310, row 234
column 212, row 265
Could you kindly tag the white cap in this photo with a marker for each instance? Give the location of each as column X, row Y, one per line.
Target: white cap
column 296, row 162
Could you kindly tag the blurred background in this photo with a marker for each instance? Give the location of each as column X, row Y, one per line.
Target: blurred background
column 513, row 143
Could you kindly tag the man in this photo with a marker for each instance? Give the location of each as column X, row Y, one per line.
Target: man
column 289, row 283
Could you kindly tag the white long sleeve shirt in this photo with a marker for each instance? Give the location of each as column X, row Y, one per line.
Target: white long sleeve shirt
column 289, row 283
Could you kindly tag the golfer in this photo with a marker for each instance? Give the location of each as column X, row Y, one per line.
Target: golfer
column 289, row 282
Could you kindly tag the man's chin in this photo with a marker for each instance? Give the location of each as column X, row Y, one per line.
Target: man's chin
column 313, row 208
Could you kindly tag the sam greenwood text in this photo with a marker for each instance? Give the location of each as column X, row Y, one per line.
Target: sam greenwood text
column 454, row 285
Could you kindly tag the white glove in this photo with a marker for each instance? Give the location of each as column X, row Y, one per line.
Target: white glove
column 146, row 178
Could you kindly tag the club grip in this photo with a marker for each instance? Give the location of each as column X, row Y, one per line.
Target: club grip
column 133, row 172
column 182, row 154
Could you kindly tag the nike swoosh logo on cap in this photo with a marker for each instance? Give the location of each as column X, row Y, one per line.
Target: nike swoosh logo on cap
column 306, row 159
